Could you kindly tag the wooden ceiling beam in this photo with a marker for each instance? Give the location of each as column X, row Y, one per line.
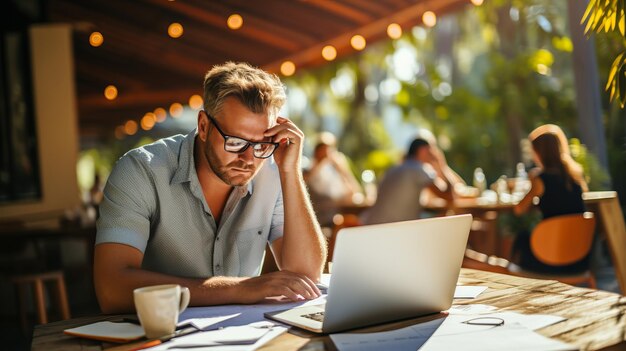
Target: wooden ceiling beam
column 408, row 16
column 153, row 98
column 253, row 28
column 342, row 10
column 373, row 7
column 120, row 37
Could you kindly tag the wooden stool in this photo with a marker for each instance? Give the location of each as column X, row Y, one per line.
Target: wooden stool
column 38, row 280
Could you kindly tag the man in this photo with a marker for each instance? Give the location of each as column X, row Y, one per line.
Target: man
column 198, row 210
column 399, row 192
column 330, row 181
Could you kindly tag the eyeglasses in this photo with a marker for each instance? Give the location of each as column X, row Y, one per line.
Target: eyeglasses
column 493, row 321
column 236, row 145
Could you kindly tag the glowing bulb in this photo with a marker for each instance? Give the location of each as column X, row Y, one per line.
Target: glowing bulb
column 119, row 132
column 429, row 18
column 195, row 102
column 148, row 121
column 235, row 21
column 110, row 92
column 394, row 31
column 175, row 30
column 287, row 68
column 96, row 39
column 160, row 114
column 358, row 42
column 130, row 127
column 477, row 2
column 329, row 52
column 176, row 110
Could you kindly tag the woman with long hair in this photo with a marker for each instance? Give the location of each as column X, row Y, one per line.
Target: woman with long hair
column 556, row 188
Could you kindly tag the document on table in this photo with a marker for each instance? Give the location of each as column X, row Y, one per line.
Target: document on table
column 468, row 292
column 214, row 317
column 509, row 336
column 450, row 333
column 240, row 338
column 404, row 339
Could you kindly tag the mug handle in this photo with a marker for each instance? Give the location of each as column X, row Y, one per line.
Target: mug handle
column 184, row 298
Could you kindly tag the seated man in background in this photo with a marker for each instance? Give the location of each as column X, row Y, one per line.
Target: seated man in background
column 330, row 181
column 399, row 192
column 198, row 210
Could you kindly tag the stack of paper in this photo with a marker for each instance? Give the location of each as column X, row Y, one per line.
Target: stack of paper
column 451, row 333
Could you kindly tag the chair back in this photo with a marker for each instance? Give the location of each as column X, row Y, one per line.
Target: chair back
column 563, row 240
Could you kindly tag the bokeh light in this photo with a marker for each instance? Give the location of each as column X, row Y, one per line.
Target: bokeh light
column 329, row 53
column 195, row 102
column 96, row 39
column 176, row 110
column 110, row 92
column 394, row 31
column 287, row 68
column 235, row 21
column 358, row 42
column 175, row 30
column 429, row 19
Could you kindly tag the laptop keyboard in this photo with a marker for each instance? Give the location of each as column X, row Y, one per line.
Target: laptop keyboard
column 317, row 316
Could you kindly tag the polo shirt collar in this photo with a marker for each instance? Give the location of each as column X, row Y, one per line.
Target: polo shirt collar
column 187, row 168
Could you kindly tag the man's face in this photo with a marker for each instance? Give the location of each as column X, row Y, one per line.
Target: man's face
column 234, row 120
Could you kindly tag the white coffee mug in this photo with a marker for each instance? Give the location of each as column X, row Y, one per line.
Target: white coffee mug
column 158, row 308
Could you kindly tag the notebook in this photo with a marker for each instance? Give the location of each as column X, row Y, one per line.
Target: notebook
column 108, row 331
column 387, row 272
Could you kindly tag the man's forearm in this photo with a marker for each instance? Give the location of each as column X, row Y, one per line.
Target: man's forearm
column 115, row 289
column 304, row 248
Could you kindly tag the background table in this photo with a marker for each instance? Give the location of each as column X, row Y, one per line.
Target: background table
column 595, row 319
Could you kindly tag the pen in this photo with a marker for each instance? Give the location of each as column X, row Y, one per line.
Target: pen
column 158, row 341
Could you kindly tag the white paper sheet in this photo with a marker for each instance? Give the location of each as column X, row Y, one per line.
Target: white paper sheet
column 468, row 292
column 510, row 336
column 240, row 338
column 214, row 317
column 451, row 334
column 471, row 309
column 404, row 339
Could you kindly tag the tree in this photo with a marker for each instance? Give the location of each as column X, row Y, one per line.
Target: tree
column 607, row 16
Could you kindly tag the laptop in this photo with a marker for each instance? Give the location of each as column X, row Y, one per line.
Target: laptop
column 387, row 272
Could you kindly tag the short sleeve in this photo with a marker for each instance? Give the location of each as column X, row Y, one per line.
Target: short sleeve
column 278, row 219
column 127, row 205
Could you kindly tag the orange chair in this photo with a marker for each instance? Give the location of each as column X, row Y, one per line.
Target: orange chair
column 556, row 241
column 563, row 240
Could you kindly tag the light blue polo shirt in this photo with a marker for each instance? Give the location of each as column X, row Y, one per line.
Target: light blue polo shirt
column 153, row 202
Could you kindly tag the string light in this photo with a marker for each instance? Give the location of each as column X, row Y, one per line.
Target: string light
column 160, row 114
column 288, row 68
column 176, row 110
column 477, row 2
column 110, row 92
column 96, row 39
column 358, row 42
column 148, row 121
column 429, row 18
column 130, row 127
column 329, row 52
column 119, row 132
column 195, row 102
column 175, row 30
column 394, row 31
column 235, row 21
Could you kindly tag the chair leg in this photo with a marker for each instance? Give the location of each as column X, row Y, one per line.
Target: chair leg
column 592, row 282
column 64, row 309
column 40, row 302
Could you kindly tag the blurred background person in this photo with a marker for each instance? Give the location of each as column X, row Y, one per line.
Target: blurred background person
column 557, row 184
column 330, row 180
column 424, row 167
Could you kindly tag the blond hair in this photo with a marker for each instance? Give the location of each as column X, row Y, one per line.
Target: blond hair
column 259, row 91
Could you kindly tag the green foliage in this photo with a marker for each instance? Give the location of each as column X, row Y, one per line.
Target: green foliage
column 595, row 176
column 608, row 16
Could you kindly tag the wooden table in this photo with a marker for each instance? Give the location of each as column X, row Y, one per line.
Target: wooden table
column 595, row 319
